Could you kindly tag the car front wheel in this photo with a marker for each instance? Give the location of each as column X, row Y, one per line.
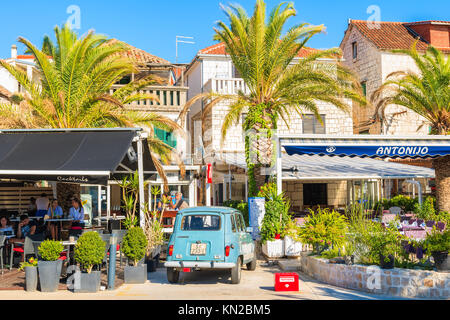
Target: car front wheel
column 172, row 275
column 236, row 272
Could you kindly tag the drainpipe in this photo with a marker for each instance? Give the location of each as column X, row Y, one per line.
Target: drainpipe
column 419, row 189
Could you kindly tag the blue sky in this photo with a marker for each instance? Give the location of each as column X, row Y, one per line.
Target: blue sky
column 152, row 25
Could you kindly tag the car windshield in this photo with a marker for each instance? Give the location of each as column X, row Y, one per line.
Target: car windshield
column 200, row 223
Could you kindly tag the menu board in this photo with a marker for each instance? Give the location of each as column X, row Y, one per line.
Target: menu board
column 256, row 211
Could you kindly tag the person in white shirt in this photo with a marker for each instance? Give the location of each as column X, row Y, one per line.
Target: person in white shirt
column 42, row 204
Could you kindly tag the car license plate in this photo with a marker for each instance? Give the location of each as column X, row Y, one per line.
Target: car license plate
column 198, row 249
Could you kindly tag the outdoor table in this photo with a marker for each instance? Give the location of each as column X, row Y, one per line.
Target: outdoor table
column 414, row 232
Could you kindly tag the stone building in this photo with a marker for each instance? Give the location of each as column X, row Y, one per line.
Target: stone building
column 367, row 49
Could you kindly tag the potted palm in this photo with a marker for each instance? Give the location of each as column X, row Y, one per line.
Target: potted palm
column 274, row 222
column 438, row 244
column 49, row 267
column 134, row 246
column 89, row 251
column 31, row 275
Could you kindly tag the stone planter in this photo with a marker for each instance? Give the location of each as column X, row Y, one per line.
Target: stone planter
column 49, row 274
column 31, row 279
column 292, row 248
column 441, row 261
column 274, row 248
column 89, row 282
column 135, row 274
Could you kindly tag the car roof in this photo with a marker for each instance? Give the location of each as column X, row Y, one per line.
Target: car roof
column 224, row 210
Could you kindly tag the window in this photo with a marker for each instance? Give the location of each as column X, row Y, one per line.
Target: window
column 242, row 222
column 364, row 88
column 125, row 80
column 364, row 132
column 238, row 223
column 166, row 137
column 312, row 125
column 354, row 50
column 236, row 73
column 200, row 223
column 233, row 223
column 315, row 194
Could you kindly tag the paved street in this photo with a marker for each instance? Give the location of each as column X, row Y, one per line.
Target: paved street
column 211, row 285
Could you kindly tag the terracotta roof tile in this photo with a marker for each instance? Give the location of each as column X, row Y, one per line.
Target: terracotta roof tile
column 138, row 56
column 219, row 49
column 392, row 35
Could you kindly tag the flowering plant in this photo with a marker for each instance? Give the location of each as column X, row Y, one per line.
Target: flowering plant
column 32, row 262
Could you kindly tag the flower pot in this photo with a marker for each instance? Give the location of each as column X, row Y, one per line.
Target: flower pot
column 389, row 264
column 441, row 260
column 152, row 263
column 31, row 279
column 49, row 274
column 274, row 248
column 292, row 248
column 136, row 274
column 89, row 282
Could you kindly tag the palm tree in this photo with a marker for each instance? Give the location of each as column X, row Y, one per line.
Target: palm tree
column 74, row 91
column 279, row 84
column 428, row 95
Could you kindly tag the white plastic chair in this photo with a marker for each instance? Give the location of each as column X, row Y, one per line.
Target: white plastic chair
column 395, row 210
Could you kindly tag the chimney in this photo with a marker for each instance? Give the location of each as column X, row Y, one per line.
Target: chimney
column 14, row 51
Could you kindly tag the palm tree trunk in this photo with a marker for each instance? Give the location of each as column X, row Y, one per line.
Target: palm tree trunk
column 65, row 192
column 442, row 168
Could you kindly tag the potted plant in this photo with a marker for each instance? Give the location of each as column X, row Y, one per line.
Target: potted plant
column 274, row 222
column 31, row 275
column 134, row 246
column 154, row 231
column 49, row 266
column 438, row 244
column 385, row 244
column 89, row 251
column 292, row 242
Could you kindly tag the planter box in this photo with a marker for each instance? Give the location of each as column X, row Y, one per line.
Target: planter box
column 89, row 283
column 31, row 279
column 292, row 248
column 273, row 249
column 135, row 274
column 49, row 274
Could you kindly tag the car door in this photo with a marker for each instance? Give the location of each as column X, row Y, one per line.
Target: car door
column 246, row 241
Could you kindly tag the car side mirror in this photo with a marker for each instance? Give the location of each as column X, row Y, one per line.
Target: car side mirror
column 249, row 229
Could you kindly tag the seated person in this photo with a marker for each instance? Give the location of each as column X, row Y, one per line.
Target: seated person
column 180, row 203
column 55, row 211
column 5, row 227
column 77, row 213
column 25, row 228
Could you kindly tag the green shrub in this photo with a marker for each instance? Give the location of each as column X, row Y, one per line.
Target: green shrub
column 437, row 241
column 425, row 211
column 134, row 245
column 277, row 214
column 324, row 229
column 89, row 250
column 292, row 230
column 50, row 250
column 241, row 206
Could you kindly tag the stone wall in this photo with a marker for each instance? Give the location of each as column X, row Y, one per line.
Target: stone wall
column 393, row 282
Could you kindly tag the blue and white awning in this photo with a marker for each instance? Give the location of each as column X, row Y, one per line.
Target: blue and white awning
column 371, row 146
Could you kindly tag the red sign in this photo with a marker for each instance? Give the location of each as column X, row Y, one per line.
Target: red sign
column 286, row 282
column 209, row 173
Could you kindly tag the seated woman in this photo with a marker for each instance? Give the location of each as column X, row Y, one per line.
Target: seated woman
column 5, row 227
column 55, row 211
column 77, row 214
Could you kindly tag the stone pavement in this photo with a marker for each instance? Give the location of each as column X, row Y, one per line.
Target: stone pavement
column 210, row 285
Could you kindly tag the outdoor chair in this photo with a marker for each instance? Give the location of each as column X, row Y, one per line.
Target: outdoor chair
column 24, row 250
column 395, row 210
column 36, row 245
column 440, row 226
column 2, row 248
column 430, row 224
column 106, row 238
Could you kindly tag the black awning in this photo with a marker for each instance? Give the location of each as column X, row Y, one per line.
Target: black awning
column 79, row 156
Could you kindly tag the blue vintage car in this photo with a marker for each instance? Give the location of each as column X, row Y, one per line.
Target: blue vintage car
column 209, row 238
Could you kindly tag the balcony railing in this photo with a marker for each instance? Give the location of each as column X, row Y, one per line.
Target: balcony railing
column 171, row 98
column 226, row 85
